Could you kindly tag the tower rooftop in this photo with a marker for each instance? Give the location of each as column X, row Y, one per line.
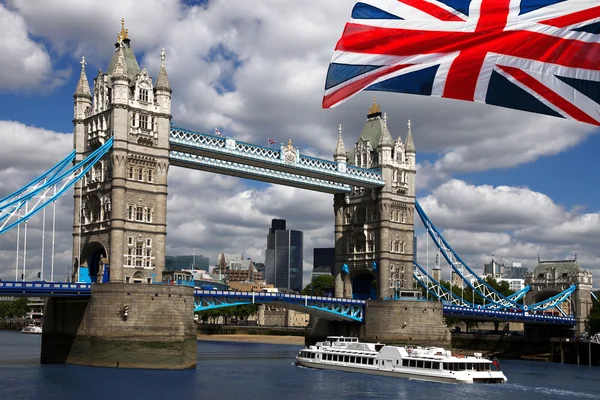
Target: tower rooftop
column 133, row 68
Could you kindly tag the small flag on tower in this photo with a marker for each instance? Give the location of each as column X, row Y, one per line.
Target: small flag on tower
column 271, row 141
column 217, row 132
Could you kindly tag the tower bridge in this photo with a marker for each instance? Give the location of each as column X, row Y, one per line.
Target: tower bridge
column 124, row 144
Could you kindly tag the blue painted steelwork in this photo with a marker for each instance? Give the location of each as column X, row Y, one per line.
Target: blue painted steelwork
column 187, row 160
column 594, row 296
column 44, row 289
column 39, row 192
column 504, row 315
column 436, row 289
column 443, row 294
column 449, row 298
column 36, row 182
column 471, row 278
column 227, row 155
column 337, row 308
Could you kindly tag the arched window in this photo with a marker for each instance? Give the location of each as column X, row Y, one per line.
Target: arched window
column 138, row 277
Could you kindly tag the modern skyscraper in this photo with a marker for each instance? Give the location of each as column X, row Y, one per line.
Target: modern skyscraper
column 284, row 256
column 324, row 258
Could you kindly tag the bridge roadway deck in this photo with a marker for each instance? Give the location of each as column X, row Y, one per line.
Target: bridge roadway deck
column 294, row 301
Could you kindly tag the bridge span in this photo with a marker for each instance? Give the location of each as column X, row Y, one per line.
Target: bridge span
column 328, row 308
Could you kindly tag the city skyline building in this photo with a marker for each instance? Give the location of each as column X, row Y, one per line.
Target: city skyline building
column 323, row 257
column 284, row 256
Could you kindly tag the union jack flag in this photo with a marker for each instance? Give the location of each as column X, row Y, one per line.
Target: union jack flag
column 541, row 56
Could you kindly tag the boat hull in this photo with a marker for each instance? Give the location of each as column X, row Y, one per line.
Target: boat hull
column 481, row 378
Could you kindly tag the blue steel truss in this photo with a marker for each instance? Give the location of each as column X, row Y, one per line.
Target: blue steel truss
column 594, row 296
column 327, row 307
column 21, row 205
column 443, row 294
column 45, row 289
column 505, row 315
column 229, row 156
column 462, row 269
column 335, row 308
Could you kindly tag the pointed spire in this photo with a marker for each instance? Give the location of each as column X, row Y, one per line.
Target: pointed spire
column 162, row 80
column 386, row 137
column 410, row 145
column 339, row 148
column 83, row 87
column 120, row 70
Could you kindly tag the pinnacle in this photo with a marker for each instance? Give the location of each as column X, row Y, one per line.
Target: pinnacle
column 410, row 145
column 339, row 148
column 162, row 80
column 386, row 138
column 120, row 69
column 83, row 87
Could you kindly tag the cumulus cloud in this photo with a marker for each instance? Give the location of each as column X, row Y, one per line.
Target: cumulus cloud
column 257, row 70
column 510, row 225
column 208, row 213
column 25, row 64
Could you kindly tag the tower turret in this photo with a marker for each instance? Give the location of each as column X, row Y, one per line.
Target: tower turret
column 120, row 80
column 410, row 148
column 163, row 87
column 340, row 152
column 83, row 102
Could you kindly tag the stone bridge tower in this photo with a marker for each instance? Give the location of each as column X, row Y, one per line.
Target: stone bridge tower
column 374, row 237
column 119, row 230
column 119, row 226
column 374, row 228
column 552, row 277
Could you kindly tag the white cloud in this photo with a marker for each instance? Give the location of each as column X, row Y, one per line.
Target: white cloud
column 25, row 64
column 510, row 225
column 257, row 70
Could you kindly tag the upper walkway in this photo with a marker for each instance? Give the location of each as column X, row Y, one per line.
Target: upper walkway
column 284, row 165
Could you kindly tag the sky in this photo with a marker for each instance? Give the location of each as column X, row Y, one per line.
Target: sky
column 499, row 183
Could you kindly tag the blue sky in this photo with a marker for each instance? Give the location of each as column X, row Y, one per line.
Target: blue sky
column 244, row 70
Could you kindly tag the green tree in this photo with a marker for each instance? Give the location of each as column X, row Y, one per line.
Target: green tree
column 593, row 321
column 17, row 308
column 319, row 286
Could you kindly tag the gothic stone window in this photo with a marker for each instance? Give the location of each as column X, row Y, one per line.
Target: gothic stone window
column 150, row 175
column 144, row 121
column 140, row 174
column 139, row 213
column 144, row 95
column 139, row 253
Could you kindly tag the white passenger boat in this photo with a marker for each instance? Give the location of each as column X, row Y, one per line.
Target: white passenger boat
column 420, row 363
column 32, row 329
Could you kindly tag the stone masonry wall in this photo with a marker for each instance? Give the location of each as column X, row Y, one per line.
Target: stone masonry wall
column 159, row 331
column 405, row 322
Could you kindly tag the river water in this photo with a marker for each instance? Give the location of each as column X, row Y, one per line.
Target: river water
column 262, row 371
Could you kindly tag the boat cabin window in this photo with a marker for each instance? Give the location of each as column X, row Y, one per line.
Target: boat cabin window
column 467, row 366
column 421, row 364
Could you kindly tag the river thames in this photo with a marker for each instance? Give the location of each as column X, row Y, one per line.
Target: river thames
column 239, row 371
